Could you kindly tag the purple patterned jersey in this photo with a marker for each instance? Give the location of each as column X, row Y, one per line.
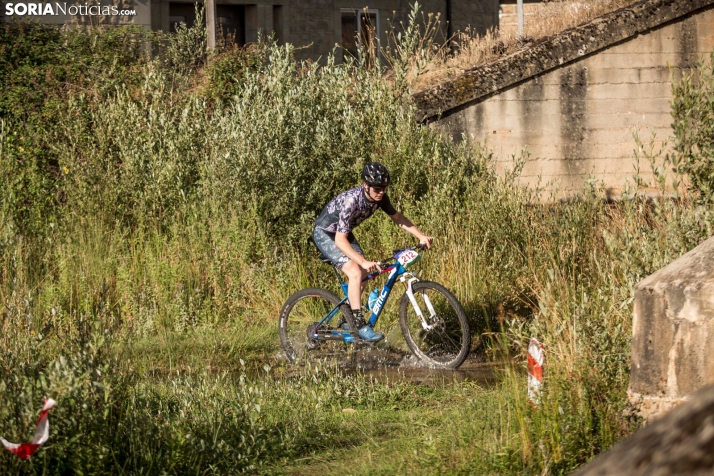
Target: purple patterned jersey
column 349, row 209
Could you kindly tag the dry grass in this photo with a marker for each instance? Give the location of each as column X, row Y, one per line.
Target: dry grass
column 470, row 49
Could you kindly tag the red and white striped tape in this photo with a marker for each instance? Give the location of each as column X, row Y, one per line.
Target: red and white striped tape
column 536, row 357
column 42, row 434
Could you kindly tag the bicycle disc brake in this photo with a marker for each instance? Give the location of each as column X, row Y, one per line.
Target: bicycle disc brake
column 312, row 342
column 438, row 327
column 437, row 323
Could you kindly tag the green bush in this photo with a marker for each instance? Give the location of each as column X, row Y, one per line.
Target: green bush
column 41, row 69
column 693, row 124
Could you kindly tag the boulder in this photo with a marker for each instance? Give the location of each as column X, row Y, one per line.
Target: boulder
column 673, row 332
column 680, row 442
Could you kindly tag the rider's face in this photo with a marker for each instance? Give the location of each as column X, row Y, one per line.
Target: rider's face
column 376, row 193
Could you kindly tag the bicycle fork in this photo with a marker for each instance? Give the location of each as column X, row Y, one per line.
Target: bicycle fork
column 410, row 293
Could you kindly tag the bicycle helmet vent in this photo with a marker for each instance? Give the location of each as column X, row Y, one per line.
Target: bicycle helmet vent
column 375, row 174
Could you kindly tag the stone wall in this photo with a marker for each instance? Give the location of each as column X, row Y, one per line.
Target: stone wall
column 315, row 25
column 317, row 22
column 476, row 16
column 573, row 101
column 508, row 14
column 312, row 25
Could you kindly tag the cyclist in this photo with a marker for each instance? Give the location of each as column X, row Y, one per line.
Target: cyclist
column 333, row 235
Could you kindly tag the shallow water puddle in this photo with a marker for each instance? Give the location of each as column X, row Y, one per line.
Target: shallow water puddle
column 385, row 366
column 479, row 372
column 390, row 365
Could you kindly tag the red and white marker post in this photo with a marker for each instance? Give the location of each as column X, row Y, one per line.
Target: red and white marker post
column 42, row 434
column 536, row 357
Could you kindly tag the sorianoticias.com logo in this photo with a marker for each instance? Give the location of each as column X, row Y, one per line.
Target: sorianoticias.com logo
column 53, row 9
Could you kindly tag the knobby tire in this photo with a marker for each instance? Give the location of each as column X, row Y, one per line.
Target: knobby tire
column 303, row 309
column 448, row 345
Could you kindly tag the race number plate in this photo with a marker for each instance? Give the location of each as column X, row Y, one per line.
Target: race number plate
column 408, row 257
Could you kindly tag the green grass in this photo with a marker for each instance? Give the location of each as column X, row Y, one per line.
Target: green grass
column 450, row 429
column 210, row 349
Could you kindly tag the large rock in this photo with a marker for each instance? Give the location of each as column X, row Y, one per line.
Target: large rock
column 673, row 332
column 681, row 442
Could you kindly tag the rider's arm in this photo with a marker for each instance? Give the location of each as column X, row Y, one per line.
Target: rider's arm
column 405, row 224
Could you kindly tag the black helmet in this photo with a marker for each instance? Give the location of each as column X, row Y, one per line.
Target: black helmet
column 375, row 174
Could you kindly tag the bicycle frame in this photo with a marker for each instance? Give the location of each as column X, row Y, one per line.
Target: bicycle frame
column 395, row 270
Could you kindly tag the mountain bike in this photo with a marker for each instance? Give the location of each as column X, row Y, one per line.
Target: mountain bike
column 432, row 320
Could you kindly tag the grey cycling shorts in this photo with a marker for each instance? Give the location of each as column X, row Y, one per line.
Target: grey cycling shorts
column 325, row 242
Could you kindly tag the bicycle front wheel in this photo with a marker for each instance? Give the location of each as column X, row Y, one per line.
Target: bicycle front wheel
column 443, row 339
column 301, row 313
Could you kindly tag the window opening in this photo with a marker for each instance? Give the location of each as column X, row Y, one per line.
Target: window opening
column 230, row 20
column 360, row 29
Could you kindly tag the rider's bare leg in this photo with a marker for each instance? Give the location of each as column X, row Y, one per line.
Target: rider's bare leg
column 354, row 273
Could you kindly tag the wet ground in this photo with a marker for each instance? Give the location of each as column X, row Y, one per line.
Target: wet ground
column 390, row 366
column 472, row 371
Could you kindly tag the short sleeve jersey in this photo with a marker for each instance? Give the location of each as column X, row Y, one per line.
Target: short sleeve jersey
column 349, row 209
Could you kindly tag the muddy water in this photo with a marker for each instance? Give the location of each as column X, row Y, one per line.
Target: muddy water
column 389, row 367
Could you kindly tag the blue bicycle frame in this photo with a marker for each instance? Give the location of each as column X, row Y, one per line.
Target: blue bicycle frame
column 395, row 270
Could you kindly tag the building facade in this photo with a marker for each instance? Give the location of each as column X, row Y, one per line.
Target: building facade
column 316, row 26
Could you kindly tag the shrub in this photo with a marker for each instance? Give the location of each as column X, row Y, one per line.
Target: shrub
column 693, row 124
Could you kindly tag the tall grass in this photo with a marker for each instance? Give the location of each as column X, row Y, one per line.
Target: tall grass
column 149, row 233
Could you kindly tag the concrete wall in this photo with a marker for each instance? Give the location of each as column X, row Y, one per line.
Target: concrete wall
column 577, row 121
column 673, row 331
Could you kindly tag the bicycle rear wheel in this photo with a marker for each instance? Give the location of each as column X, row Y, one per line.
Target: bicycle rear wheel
column 300, row 314
column 446, row 342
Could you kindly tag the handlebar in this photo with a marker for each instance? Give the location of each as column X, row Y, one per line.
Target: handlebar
column 419, row 247
column 387, row 261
